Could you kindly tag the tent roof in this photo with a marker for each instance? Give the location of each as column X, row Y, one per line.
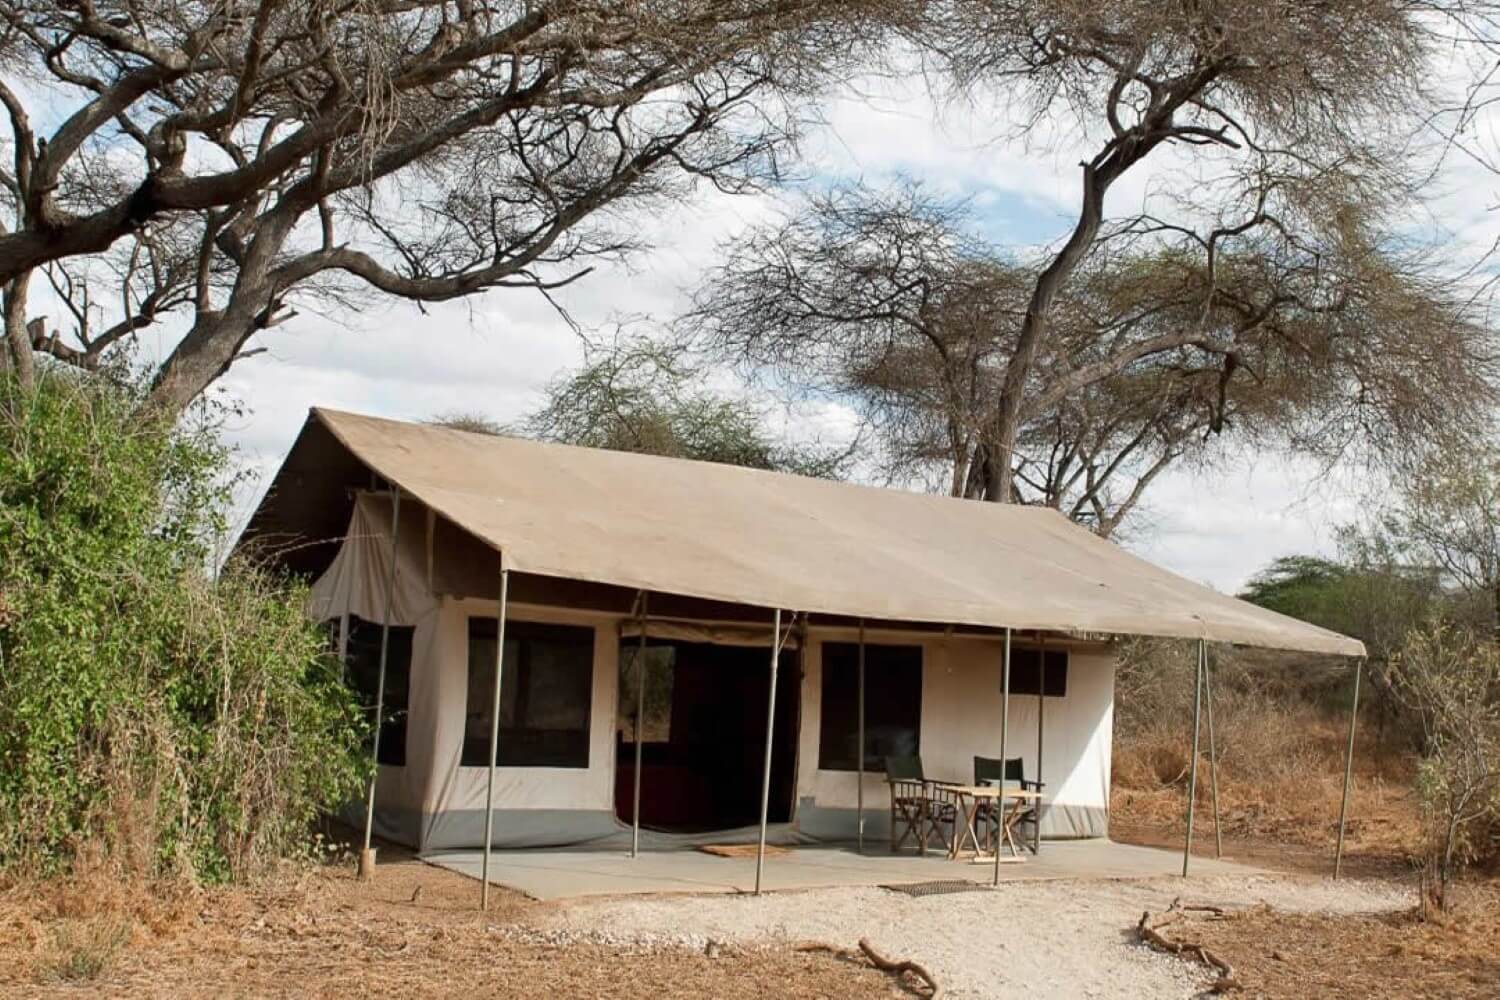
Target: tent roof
column 747, row 536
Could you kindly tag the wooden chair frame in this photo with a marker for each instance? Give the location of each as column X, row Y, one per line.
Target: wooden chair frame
column 920, row 807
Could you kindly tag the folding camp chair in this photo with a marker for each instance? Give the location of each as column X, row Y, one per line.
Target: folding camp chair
column 1002, row 827
column 920, row 807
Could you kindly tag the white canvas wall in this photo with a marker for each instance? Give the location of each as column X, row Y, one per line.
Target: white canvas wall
column 960, row 719
column 534, row 805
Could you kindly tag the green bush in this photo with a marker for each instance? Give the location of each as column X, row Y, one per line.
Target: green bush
column 182, row 721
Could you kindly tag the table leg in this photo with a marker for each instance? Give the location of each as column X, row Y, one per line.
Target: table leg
column 1007, row 825
column 957, row 847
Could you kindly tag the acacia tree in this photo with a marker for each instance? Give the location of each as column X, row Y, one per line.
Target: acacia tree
column 1275, row 100
column 224, row 160
column 642, row 395
column 1161, row 345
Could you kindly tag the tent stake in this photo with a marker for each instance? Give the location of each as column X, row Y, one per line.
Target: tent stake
column 765, row 779
column 1338, row 853
column 860, row 752
column 1041, row 711
column 640, row 710
column 1187, row 847
column 1004, row 723
column 1213, row 753
column 366, row 856
column 489, row 785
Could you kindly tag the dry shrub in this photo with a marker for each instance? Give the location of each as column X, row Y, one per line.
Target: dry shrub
column 1152, row 761
column 1450, row 680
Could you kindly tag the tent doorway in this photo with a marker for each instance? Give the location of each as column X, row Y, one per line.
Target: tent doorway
column 704, row 733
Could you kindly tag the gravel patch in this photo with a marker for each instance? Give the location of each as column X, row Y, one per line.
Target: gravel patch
column 1050, row 939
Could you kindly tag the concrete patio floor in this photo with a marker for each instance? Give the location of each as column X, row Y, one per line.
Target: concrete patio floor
column 565, row 873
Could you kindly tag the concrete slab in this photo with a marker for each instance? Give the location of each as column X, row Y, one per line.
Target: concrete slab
column 564, row 873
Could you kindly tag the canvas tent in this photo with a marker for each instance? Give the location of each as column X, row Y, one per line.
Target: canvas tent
column 591, row 539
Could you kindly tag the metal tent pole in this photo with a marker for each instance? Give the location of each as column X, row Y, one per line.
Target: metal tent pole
column 344, row 645
column 1213, row 752
column 860, row 751
column 1004, row 735
column 489, row 785
column 1187, row 847
column 765, row 780
column 1041, row 711
column 366, row 858
column 1338, row 854
column 640, row 710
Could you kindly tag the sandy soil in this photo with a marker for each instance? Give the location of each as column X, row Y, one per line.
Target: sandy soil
column 1053, row 939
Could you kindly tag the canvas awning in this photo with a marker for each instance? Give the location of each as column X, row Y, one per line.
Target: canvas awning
column 746, row 536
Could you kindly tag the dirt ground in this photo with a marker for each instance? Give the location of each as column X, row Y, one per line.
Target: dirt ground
column 414, row 931
column 1289, row 956
column 1278, row 954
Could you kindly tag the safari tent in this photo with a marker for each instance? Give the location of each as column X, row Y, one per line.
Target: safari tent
column 892, row 612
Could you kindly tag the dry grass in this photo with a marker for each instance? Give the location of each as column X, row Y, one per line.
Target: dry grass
column 1289, row 956
column 413, row 931
column 1281, row 769
column 1281, row 774
column 82, row 950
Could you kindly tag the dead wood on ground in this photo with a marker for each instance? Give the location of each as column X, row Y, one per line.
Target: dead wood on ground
column 1150, row 931
column 899, row 969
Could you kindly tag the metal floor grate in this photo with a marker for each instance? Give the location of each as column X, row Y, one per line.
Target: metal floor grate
column 937, row 888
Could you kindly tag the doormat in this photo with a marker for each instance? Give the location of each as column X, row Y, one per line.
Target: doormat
column 937, row 888
column 741, row 850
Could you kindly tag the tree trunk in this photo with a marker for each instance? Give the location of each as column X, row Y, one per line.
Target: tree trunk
column 218, row 337
column 1000, row 485
column 203, row 355
column 17, row 338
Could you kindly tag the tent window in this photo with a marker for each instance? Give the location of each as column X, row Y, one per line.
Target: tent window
column 893, row 705
column 1026, row 672
column 362, row 670
column 545, row 695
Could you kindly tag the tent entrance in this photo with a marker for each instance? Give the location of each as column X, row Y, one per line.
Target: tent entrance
column 704, row 732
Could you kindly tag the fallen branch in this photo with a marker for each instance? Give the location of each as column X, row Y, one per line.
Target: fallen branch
column 1149, row 931
column 895, row 968
column 899, row 969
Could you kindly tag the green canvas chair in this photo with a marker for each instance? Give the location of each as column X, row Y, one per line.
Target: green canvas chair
column 988, row 771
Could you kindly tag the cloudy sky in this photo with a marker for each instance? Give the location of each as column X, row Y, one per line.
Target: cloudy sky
column 494, row 354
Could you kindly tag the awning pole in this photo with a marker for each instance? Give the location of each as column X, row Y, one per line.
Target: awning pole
column 1004, row 723
column 1187, row 847
column 489, row 785
column 1213, row 752
column 860, row 752
column 366, row 858
column 344, row 646
column 1041, row 711
column 640, row 709
column 1338, row 854
column 765, row 779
